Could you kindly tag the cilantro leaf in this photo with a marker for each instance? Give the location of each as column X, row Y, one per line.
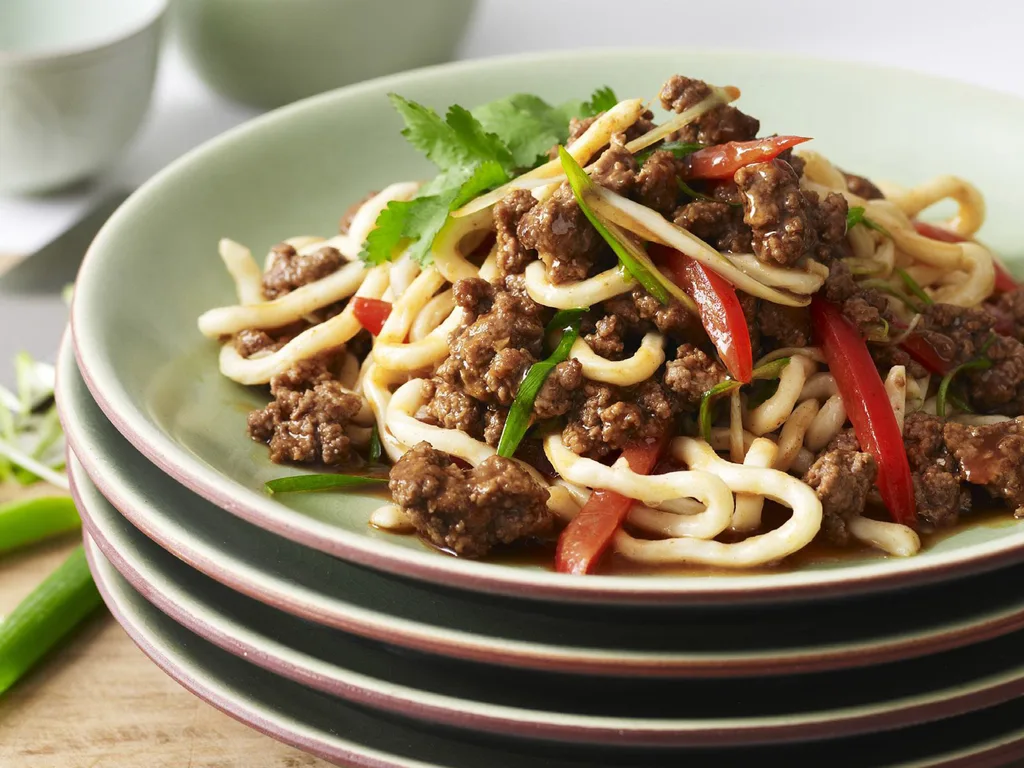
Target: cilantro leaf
column 388, row 232
column 527, row 124
column 601, row 100
column 426, row 131
column 478, row 143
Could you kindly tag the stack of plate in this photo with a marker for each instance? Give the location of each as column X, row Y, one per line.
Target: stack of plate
column 295, row 616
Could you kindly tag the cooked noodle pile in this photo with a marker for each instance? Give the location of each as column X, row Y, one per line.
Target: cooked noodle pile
column 466, row 325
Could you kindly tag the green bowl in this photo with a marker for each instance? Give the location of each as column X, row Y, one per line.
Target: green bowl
column 154, row 268
column 267, row 52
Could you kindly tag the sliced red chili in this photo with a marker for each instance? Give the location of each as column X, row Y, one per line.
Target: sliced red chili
column 720, row 310
column 371, row 313
column 867, row 405
column 723, row 160
column 917, row 347
column 588, row 535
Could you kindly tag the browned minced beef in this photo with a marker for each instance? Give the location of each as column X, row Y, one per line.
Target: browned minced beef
column 888, row 355
column 959, row 334
column 717, row 223
column 494, row 423
column 474, row 296
column 556, row 393
column 350, row 213
column 558, row 230
column 616, row 167
column 508, row 212
column 451, row 408
column 692, row 373
column 862, row 187
column 788, row 223
column 608, row 337
column 306, row 420
column 579, row 125
column 991, row 456
column 657, row 184
column 788, row 326
column 939, row 496
column 468, row 511
column 1008, row 308
column 289, row 270
column 716, row 126
column 842, row 477
column 639, row 311
column 251, row 340
column 605, row 418
column 864, row 307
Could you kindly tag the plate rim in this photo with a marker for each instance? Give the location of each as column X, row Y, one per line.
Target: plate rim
column 302, row 737
column 161, row 449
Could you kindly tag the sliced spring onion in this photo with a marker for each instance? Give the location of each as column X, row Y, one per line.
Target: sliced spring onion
column 299, row 483
column 980, row 363
column 855, row 216
column 882, row 286
column 913, row 286
column 375, row 446
column 767, row 371
column 626, row 247
column 45, row 617
column 518, row 420
column 30, row 520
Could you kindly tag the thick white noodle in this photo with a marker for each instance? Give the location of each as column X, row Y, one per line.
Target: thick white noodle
column 584, row 293
column 432, row 315
column 796, row 280
column 891, row 538
column 293, row 306
column 623, row 373
column 820, row 386
column 393, row 518
column 365, row 219
column 896, row 389
column 826, row 424
column 791, row 438
column 243, row 270
column 766, row 548
column 970, row 213
column 747, row 517
column 773, row 412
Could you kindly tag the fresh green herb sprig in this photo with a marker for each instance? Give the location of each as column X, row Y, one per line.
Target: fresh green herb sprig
column 855, row 216
column 772, row 370
column 518, row 420
column 375, row 447
column 474, row 152
column 914, row 287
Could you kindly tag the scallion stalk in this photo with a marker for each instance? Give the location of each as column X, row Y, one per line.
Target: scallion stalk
column 30, row 520
column 45, row 617
column 300, row 483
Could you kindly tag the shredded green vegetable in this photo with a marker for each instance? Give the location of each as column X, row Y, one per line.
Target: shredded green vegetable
column 705, row 416
column 518, row 420
column 856, row 216
column 630, row 255
column 300, row 483
column 980, row 363
column 28, row 521
column 914, row 287
column 375, row 446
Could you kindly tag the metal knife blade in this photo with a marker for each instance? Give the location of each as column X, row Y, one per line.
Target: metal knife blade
column 32, row 312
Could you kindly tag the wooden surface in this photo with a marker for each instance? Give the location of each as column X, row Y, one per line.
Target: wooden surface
column 98, row 702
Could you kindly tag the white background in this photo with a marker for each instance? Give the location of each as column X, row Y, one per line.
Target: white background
column 977, row 41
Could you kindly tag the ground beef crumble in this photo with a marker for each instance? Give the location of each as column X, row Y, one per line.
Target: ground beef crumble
column 290, row 270
column 716, row 126
column 842, row 478
column 937, row 491
column 604, row 418
column 991, row 456
column 306, row 420
column 469, row 511
column 692, row 373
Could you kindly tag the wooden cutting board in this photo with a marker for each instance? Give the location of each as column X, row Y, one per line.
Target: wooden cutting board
column 98, row 702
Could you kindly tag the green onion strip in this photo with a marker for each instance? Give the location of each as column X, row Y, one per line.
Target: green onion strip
column 299, row 483
column 770, row 370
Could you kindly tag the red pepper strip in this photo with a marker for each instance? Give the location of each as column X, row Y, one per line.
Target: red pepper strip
column 919, row 349
column 371, row 313
column 723, row 160
column 720, row 309
column 868, row 406
column 1004, row 280
column 587, row 537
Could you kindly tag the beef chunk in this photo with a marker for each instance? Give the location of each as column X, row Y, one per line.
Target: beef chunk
column 490, row 356
column 692, row 373
column 939, row 496
column 616, row 168
column 716, row 223
column 716, row 126
column 639, row 311
column 862, row 187
column 788, row 223
column 509, row 211
column 888, row 355
column 657, row 185
column 605, row 418
column 1008, row 310
column 864, row 307
column 556, row 393
column 991, row 456
column 475, row 295
column 250, row 341
column 451, row 408
column 842, row 478
column 608, row 337
column 290, row 270
column 1000, row 389
column 563, row 238
column 469, row 511
column 306, row 420
column 788, row 326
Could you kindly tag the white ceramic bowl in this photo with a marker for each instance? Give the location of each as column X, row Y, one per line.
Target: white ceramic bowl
column 75, row 82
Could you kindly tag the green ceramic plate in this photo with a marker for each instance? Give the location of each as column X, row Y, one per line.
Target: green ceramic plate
column 351, row 735
column 154, row 268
